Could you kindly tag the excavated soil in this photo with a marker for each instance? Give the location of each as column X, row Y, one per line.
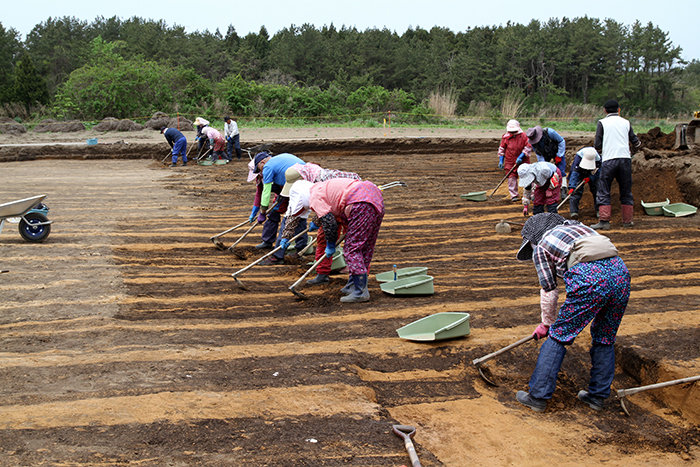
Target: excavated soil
column 125, row 340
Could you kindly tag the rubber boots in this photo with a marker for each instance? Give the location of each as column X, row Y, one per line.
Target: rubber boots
column 349, row 287
column 627, row 214
column 605, row 212
column 360, row 293
column 319, row 280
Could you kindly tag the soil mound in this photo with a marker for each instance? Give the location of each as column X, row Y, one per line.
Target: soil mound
column 114, row 124
column 657, row 139
column 7, row 125
column 160, row 119
column 49, row 125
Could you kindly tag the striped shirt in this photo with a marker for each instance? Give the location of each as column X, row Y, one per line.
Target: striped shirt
column 552, row 252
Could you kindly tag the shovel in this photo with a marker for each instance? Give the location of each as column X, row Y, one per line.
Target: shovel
column 569, row 195
column 407, row 432
column 313, row 266
column 481, row 360
column 241, row 271
column 628, row 392
column 216, row 240
column 504, row 179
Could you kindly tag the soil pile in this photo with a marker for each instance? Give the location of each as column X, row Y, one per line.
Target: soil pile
column 657, row 139
column 161, row 119
column 114, row 124
column 7, row 125
column 49, row 125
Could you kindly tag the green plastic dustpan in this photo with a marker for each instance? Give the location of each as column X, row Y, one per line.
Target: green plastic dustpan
column 475, row 196
column 412, row 285
column 679, row 210
column 338, row 260
column 445, row 325
column 205, row 163
column 221, row 162
column 655, row 209
column 400, row 273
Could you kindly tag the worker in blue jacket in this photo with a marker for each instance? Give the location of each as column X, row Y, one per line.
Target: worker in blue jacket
column 273, row 171
column 177, row 142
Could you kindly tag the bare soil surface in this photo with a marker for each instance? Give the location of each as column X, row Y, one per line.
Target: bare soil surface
column 124, row 340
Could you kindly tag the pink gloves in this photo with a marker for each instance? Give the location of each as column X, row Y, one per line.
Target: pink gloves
column 541, row 331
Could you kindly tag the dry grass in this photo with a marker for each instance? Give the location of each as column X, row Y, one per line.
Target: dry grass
column 512, row 104
column 569, row 112
column 443, row 103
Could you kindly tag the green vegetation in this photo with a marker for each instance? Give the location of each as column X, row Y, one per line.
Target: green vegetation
column 555, row 73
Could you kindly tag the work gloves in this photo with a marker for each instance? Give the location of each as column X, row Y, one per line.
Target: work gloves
column 330, row 250
column 261, row 217
column 541, row 331
column 586, row 180
column 312, row 227
column 284, row 243
column 520, row 158
column 211, row 141
column 501, row 161
column 571, row 190
column 253, row 213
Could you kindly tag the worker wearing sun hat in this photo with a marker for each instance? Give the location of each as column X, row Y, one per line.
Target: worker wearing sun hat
column 584, row 168
column 199, row 124
column 543, row 180
column 311, row 173
column 513, row 151
column 597, row 291
column 177, row 142
column 549, row 147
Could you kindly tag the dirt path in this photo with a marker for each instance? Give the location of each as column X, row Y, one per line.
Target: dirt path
column 126, row 341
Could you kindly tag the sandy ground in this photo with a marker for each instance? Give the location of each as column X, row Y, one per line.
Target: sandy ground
column 124, row 339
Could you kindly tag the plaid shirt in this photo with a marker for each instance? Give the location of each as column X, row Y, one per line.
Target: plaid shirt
column 552, row 252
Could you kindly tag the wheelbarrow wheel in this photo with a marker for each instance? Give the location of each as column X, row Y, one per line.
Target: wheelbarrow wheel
column 31, row 232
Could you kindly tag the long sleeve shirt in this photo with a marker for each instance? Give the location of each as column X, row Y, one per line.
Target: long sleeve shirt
column 230, row 129
column 612, row 137
column 273, row 172
column 552, row 252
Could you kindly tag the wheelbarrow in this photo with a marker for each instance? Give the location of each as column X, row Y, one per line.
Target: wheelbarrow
column 30, row 213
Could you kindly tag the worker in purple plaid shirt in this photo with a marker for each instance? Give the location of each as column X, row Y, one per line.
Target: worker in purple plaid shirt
column 597, row 291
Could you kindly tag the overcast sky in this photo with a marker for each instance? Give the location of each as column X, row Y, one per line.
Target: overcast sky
column 679, row 20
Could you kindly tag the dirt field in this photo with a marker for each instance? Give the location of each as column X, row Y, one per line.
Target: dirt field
column 125, row 341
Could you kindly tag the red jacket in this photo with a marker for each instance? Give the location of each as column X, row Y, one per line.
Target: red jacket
column 512, row 144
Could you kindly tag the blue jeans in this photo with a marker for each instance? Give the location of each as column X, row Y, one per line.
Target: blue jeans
column 544, row 379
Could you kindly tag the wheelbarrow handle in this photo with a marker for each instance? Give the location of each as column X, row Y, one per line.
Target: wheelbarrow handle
column 504, row 349
column 569, row 195
column 504, row 179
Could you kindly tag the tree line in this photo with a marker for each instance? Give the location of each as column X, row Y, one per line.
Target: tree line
column 65, row 62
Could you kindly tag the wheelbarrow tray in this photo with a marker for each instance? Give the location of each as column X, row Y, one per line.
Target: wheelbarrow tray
column 679, row 210
column 413, row 285
column 655, row 209
column 400, row 273
column 439, row 326
column 20, row 207
column 475, row 196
